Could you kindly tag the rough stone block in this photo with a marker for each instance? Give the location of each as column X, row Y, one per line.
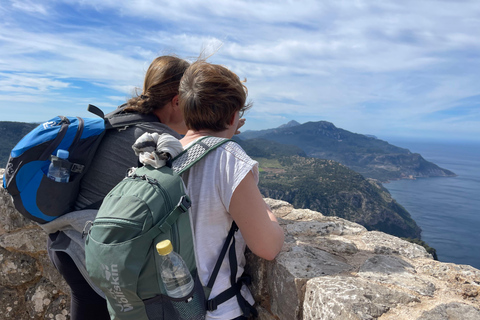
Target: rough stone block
column 382, row 243
column 452, row 311
column 392, row 270
column 341, row 297
column 17, row 268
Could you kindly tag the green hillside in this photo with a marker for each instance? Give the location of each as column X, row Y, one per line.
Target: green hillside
column 328, row 187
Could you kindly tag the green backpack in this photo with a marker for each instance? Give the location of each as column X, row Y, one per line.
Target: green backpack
column 148, row 206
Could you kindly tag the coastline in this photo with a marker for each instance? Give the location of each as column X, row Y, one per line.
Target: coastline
column 447, row 210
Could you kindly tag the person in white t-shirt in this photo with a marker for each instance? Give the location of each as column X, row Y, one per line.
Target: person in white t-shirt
column 223, row 185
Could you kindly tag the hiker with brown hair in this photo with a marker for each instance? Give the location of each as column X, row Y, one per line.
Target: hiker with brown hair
column 158, row 106
column 223, row 185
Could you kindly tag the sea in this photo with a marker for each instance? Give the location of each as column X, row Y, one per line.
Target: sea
column 446, row 208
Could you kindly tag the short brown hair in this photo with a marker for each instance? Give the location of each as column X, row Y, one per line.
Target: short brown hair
column 209, row 95
column 160, row 85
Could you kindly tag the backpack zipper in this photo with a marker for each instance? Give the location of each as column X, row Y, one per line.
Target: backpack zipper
column 117, row 221
column 62, row 131
column 174, row 228
column 175, row 238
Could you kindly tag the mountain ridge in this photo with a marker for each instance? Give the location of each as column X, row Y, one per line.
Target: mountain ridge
column 291, row 123
column 372, row 157
column 10, row 134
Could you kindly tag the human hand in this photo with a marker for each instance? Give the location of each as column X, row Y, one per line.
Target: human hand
column 241, row 122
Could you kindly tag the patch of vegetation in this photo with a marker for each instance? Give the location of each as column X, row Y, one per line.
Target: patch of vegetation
column 265, row 163
column 429, row 249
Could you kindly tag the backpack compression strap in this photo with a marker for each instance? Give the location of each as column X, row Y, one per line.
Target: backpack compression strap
column 119, row 118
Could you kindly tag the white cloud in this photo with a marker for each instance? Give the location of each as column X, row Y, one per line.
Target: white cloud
column 29, row 6
column 29, row 83
column 66, row 57
column 343, row 61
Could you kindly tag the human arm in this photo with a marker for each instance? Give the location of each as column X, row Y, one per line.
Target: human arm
column 259, row 226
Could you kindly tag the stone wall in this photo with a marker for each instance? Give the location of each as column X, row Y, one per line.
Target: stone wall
column 329, row 268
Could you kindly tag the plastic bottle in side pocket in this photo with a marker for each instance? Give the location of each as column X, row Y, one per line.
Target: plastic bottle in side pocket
column 174, row 272
column 59, row 169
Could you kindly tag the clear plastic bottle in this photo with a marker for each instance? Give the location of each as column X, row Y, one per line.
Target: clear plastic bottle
column 56, row 171
column 174, row 272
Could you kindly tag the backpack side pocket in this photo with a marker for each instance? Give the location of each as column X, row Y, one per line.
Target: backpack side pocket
column 192, row 307
column 116, row 268
column 40, row 198
column 55, row 198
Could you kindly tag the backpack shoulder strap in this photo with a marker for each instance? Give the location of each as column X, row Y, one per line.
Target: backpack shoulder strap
column 119, row 118
column 235, row 285
column 183, row 162
column 189, row 157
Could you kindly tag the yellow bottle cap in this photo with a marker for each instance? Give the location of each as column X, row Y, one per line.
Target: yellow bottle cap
column 164, row 247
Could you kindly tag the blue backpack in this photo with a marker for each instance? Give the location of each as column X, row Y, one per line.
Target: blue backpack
column 35, row 195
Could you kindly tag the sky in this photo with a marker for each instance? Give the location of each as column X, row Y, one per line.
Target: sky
column 404, row 69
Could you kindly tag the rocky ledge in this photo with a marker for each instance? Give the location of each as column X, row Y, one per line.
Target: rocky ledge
column 329, row 268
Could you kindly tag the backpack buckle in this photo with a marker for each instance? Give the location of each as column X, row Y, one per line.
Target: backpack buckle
column 245, row 279
column 77, row 168
column 184, row 204
column 212, row 305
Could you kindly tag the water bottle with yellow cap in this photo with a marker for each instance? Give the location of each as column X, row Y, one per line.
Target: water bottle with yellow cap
column 174, row 272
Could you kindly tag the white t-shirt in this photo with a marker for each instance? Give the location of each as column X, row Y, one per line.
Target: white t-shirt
column 210, row 184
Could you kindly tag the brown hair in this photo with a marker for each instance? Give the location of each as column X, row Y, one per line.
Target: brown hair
column 160, row 84
column 209, row 95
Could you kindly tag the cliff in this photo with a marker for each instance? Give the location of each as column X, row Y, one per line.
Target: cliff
column 329, row 187
column 329, row 268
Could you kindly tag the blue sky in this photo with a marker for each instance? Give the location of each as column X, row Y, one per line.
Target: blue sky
column 404, row 69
